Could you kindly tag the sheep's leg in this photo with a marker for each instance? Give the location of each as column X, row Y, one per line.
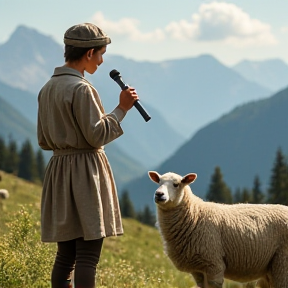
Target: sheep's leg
column 199, row 278
column 250, row 285
column 203, row 281
column 218, row 283
column 215, row 280
column 279, row 270
column 263, row 283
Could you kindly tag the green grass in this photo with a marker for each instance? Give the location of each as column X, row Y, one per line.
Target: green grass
column 135, row 259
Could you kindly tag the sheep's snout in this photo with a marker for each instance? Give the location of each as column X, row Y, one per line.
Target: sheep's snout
column 160, row 195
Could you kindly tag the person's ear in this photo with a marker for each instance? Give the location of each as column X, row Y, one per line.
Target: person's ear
column 90, row 53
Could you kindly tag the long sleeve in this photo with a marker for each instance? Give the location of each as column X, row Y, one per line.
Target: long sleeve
column 119, row 113
column 40, row 135
column 97, row 127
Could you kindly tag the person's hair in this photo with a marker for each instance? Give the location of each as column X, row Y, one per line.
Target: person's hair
column 76, row 53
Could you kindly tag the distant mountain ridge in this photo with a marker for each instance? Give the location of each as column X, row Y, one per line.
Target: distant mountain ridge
column 28, row 59
column 272, row 73
column 188, row 93
column 243, row 143
column 13, row 124
column 24, row 101
column 32, row 47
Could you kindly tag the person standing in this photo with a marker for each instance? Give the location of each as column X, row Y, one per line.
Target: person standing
column 79, row 203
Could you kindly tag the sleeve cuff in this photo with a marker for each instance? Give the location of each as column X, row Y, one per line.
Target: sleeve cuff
column 119, row 113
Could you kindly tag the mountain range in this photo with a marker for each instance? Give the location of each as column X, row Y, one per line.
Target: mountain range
column 180, row 95
column 14, row 125
column 195, row 125
column 39, row 52
column 23, row 101
column 271, row 73
column 188, row 93
column 28, row 58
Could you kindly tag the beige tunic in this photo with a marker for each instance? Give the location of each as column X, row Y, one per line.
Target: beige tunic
column 79, row 197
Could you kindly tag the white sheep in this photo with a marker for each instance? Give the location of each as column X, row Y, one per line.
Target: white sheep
column 4, row 194
column 211, row 241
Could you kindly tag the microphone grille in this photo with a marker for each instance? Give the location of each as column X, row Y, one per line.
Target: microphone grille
column 114, row 73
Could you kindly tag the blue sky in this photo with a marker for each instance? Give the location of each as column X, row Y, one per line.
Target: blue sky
column 159, row 30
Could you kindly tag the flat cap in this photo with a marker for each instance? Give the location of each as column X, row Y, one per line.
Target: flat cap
column 86, row 35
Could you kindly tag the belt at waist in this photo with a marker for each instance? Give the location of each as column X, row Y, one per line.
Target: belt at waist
column 71, row 151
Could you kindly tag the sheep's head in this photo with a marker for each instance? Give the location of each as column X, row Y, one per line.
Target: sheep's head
column 171, row 190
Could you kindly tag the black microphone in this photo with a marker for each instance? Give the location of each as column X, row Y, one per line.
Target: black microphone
column 115, row 75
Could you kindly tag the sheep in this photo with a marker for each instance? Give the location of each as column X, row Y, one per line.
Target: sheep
column 241, row 242
column 4, row 194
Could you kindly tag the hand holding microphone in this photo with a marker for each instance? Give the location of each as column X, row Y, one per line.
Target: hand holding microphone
column 115, row 75
column 127, row 98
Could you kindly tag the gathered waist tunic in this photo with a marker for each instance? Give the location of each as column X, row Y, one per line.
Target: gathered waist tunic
column 79, row 196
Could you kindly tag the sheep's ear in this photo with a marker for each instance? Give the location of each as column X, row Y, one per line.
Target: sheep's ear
column 154, row 176
column 189, row 178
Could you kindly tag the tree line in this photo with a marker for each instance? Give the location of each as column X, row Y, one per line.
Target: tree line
column 24, row 162
column 276, row 193
column 145, row 216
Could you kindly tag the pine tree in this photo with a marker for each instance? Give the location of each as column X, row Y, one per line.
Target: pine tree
column 3, row 153
column 246, row 196
column 242, row 196
column 126, row 206
column 218, row 190
column 40, row 163
column 12, row 159
column 147, row 217
column 237, row 198
column 278, row 190
column 257, row 195
column 27, row 162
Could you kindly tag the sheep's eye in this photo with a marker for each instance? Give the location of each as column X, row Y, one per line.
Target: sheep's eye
column 175, row 184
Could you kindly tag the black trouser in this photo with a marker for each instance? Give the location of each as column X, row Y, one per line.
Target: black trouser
column 80, row 256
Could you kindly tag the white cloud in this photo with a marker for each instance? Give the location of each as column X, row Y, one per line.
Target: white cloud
column 127, row 27
column 215, row 21
column 219, row 21
column 284, row 30
column 182, row 30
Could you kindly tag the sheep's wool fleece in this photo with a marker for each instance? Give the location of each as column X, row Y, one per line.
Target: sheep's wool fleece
column 79, row 197
column 199, row 235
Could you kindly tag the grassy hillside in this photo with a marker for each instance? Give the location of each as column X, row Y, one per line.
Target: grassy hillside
column 21, row 192
column 135, row 259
